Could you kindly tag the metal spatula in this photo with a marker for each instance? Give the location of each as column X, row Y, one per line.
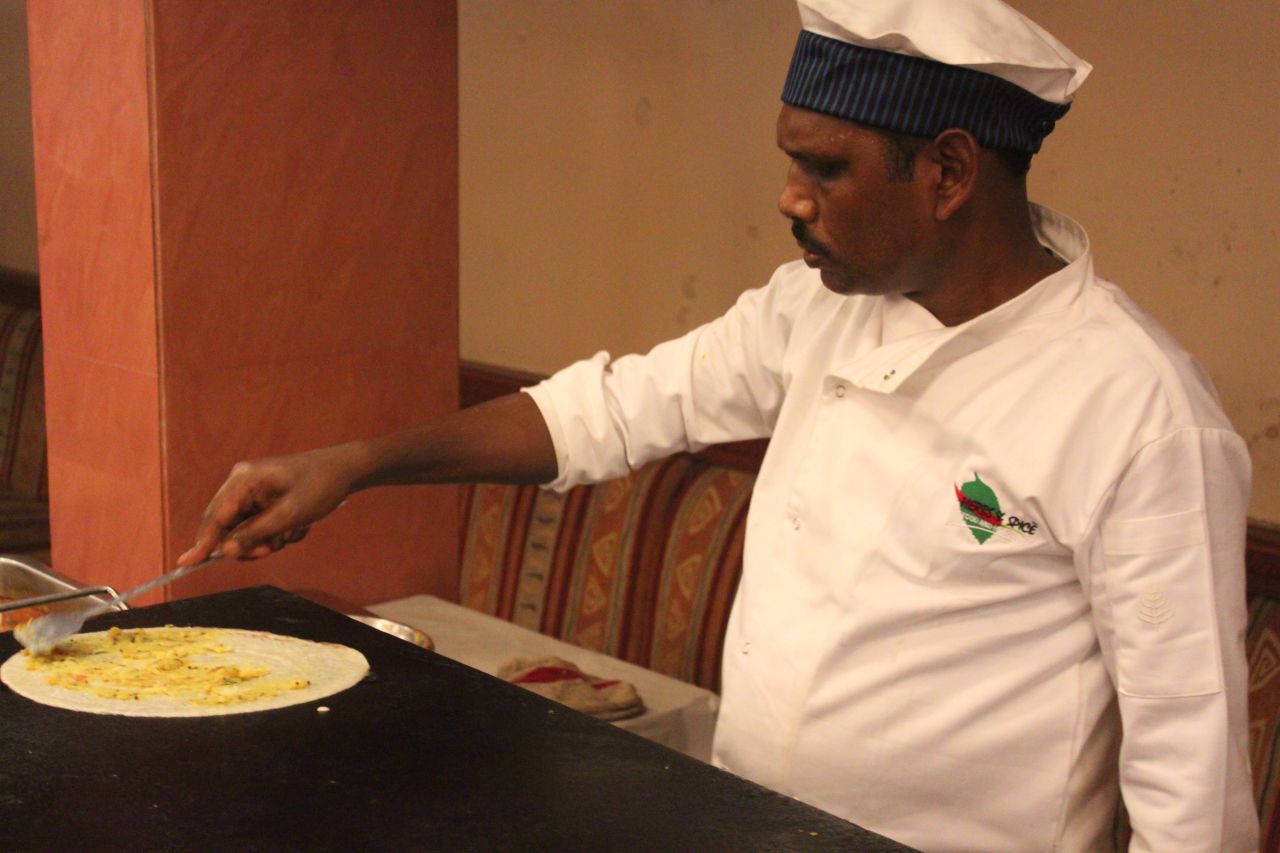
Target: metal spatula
column 41, row 634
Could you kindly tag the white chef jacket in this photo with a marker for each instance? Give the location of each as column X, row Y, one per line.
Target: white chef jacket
column 972, row 555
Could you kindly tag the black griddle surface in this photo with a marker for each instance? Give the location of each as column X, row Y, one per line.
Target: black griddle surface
column 425, row 753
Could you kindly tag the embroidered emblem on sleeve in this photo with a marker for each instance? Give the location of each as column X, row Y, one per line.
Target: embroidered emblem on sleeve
column 1154, row 608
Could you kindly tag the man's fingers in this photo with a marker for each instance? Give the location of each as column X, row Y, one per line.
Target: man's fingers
column 231, row 505
column 203, row 548
column 257, row 553
column 209, row 536
column 271, row 530
column 264, row 506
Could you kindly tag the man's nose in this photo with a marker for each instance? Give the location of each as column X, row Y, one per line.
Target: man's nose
column 794, row 203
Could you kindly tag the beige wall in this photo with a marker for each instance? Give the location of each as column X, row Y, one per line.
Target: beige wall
column 618, row 170
column 17, row 184
column 619, row 176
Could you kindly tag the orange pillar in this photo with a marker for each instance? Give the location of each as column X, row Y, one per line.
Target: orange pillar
column 248, row 245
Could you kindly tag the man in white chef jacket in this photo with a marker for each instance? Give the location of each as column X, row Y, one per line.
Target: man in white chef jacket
column 1001, row 517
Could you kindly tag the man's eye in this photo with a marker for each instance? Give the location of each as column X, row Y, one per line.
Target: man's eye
column 826, row 169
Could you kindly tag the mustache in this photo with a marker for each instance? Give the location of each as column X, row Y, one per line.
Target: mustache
column 801, row 232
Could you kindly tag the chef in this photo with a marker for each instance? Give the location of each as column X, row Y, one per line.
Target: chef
column 993, row 579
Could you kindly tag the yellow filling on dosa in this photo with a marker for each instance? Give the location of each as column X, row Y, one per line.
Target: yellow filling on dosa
column 188, row 664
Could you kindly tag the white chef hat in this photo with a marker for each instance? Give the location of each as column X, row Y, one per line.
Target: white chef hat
column 922, row 66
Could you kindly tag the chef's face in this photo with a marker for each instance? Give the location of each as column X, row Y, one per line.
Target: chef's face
column 866, row 229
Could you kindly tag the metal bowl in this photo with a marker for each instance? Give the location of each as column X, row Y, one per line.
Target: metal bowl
column 396, row 629
column 28, row 587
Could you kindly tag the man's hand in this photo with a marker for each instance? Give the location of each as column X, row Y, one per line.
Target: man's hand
column 269, row 503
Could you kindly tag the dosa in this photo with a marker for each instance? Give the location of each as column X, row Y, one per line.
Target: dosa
column 183, row 672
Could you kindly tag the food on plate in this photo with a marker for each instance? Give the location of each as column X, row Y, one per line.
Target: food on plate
column 561, row 680
column 183, row 671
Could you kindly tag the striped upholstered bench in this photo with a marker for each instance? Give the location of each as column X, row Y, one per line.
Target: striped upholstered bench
column 642, row 568
column 1262, row 643
column 24, row 490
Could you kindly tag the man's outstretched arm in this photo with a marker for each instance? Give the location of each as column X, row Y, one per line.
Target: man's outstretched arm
column 268, row 503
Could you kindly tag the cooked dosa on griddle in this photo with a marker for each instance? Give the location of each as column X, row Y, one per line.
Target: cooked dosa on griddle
column 183, row 672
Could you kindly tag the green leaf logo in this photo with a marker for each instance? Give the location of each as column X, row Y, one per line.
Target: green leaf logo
column 979, row 508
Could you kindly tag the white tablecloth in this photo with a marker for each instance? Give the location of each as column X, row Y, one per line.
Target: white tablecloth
column 679, row 715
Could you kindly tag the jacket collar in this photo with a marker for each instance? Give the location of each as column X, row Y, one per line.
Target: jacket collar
column 911, row 336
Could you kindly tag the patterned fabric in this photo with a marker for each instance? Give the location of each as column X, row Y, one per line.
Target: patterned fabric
column 883, row 89
column 699, row 576
column 22, row 434
column 24, row 488
column 642, row 568
column 1262, row 643
column 24, row 525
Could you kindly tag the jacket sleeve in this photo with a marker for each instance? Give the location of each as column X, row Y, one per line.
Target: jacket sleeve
column 1165, row 574
column 720, row 382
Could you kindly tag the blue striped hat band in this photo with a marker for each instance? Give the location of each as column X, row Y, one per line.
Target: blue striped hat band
column 916, row 96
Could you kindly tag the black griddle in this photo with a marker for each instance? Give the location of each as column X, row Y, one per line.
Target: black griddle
column 425, row 753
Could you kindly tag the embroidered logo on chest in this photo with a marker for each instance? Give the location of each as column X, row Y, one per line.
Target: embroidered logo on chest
column 980, row 511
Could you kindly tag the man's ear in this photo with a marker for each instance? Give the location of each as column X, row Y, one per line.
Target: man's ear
column 956, row 157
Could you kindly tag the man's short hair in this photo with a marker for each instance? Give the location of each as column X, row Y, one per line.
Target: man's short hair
column 901, row 150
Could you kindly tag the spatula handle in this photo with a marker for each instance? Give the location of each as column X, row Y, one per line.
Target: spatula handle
column 160, row 581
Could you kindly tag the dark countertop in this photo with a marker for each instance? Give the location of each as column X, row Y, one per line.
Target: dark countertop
column 425, row 753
